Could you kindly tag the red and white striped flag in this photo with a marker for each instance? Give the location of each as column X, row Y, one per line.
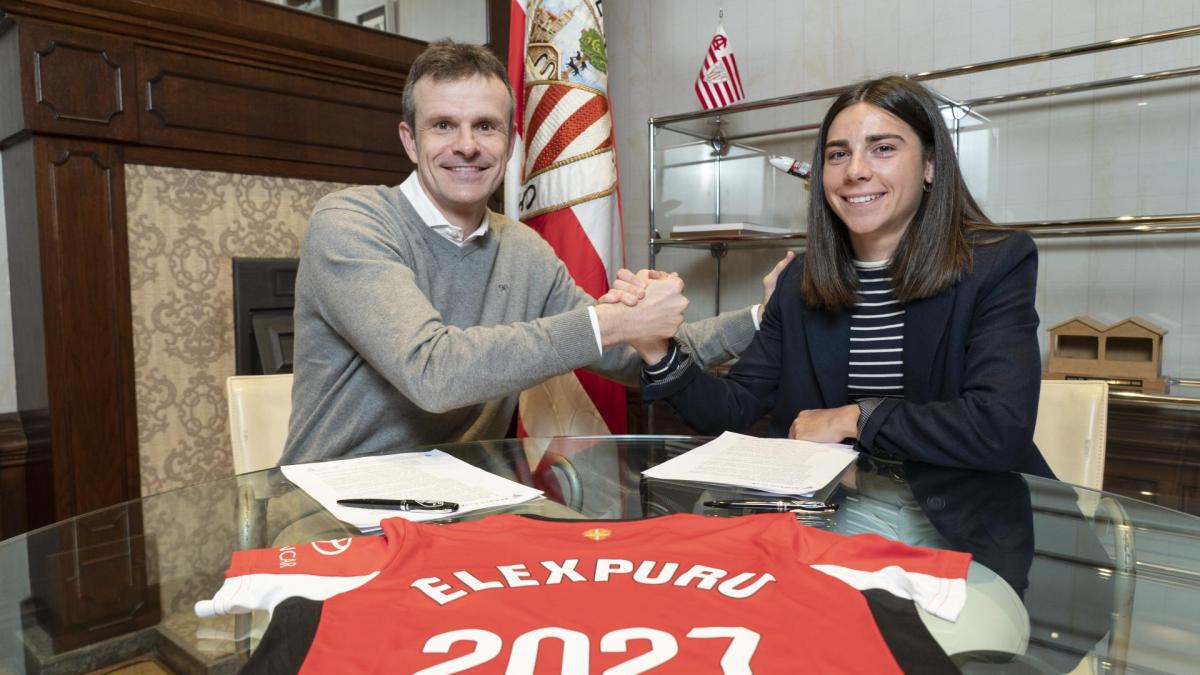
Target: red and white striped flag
column 719, row 83
column 562, row 182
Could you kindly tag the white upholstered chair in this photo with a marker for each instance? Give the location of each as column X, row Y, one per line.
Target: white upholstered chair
column 1071, row 432
column 1072, row 428
column 259, row 407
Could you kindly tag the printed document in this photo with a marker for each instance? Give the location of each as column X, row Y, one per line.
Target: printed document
column 776, row 465
column 432, row 475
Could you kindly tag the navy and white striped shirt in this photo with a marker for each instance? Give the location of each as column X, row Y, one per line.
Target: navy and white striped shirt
column 876, row 337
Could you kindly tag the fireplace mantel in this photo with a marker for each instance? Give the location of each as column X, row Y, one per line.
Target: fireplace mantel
column 88, row 86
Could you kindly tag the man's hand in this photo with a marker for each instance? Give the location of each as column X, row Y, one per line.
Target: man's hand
column 773, row 276
column 826, row 425
column 648, row 325
column 628, row 288
column 622, row 296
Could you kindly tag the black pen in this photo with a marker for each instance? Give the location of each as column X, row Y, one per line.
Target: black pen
column 425, row 505
column 774, row 505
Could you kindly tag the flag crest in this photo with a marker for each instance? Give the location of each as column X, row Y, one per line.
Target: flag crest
column 719, row 83
column 566, row 125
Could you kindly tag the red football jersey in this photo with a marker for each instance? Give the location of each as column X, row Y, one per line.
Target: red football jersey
column 681, row 593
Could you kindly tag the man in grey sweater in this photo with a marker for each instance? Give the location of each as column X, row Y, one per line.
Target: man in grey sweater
column 421, row 315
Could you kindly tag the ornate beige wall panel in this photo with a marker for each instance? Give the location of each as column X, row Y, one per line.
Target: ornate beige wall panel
column 185, row 227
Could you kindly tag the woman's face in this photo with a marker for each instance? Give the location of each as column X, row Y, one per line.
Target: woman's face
column 875, row 171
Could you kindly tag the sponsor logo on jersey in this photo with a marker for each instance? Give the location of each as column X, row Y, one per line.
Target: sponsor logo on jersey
column 332, row 546
column 287, row 556
column 597, row 533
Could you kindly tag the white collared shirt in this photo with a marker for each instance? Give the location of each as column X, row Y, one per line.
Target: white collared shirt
column 432, row 216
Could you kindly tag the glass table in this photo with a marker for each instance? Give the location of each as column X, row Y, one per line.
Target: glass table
column 1100, row 581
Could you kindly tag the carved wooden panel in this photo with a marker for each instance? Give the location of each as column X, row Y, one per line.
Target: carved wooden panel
column 85, row 287
column 90, row 578
column 77, row 82
column 191, row 101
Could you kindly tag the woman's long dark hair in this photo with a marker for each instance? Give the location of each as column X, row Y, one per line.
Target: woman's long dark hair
column 934, row 252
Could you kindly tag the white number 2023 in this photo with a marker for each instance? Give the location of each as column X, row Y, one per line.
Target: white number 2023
column 577, row 648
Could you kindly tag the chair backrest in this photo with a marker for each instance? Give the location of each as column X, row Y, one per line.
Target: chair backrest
column 259, row 407
column 1072, row 429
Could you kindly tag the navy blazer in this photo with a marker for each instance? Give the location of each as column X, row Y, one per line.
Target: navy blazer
column 971, row 370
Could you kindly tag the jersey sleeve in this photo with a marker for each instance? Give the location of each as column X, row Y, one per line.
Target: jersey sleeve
column 262, row 578
column 934, row 579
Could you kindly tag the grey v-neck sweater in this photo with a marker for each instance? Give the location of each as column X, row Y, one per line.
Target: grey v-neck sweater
column 405, row 339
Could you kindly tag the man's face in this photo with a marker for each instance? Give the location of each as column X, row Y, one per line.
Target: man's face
column 460, row 144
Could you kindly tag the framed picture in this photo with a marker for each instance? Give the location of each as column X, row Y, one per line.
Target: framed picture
column 322, row 7
column 382, row 17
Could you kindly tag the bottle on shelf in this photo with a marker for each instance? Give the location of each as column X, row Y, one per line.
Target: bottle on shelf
column 791, row 166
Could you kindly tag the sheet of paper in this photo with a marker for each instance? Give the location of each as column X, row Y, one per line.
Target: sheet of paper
column 432, row 475
column 777, row 465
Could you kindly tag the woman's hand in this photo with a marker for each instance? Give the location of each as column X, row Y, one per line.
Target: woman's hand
column 772, row 277
column 826, row 425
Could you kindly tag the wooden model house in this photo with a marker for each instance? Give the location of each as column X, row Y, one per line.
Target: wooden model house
column 1128, row 353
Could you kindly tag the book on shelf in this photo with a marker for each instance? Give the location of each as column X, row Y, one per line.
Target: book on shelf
column 724, row 230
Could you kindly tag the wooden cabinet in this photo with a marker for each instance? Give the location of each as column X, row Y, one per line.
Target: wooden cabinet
column 1153, row 454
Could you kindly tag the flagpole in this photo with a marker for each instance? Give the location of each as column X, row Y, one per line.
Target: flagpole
column 718, row 163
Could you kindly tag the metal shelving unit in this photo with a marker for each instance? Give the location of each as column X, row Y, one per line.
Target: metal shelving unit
column 718, row 246
column 695, row 125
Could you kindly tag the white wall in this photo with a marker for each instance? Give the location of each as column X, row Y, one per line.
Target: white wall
column 8, row 380
column 1130, row 151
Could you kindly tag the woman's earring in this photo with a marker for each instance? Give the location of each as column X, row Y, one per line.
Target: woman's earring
column 927, row 186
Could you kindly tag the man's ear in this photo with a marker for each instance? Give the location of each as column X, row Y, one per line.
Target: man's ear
column 512, row 142
column 409, row 139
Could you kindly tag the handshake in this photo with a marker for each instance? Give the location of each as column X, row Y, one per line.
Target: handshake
column 645, row 309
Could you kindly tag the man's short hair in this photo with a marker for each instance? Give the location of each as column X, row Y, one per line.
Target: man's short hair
column 449, row 60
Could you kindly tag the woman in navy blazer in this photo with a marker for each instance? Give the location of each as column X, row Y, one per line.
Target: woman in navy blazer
column 887, row 187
